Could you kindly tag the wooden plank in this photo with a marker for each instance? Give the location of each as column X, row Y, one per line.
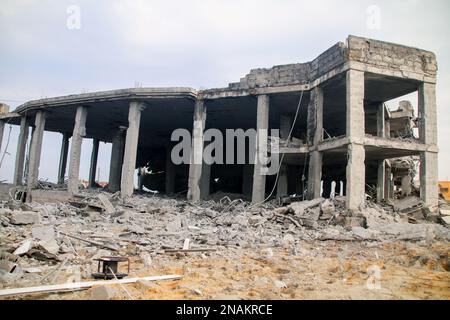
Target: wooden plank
column 189, row 250
column 80, row 285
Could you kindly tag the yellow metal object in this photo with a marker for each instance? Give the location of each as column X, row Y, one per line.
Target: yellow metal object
column 444, row 189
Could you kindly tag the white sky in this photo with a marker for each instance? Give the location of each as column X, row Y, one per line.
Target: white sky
column 201, row 44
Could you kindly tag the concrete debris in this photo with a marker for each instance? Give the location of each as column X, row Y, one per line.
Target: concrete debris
column 446, row 219
column 406, row 204
column 102, row 293
column 43, row 232
column 106, row 203
column 445, row 213
column 280, row 284
column 288, row 241
column 24, row 247
column 25, row 217
column 158, row 225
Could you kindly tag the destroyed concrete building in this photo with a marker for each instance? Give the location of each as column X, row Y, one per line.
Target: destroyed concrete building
column 342, row 139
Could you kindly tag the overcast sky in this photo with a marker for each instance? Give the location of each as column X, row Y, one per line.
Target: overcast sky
column 45, row 51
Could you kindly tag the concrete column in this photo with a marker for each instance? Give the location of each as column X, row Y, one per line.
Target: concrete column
column 427, row 113
column 381, row 128
column 170, row 173
column 195, row 167
column 63, row 158
column 388, row 189
column 115, row 168
column 429, row 192
column 286, row 120
column 131, row 145
column 93, row 167
column 2, row 129
column 315, row 117
column 315, row 135
column 428, row 135
column 35, row 152
column 381, row 181
column 262, row 126
column 355, row 193
column 20, row 154
column 314, row 175
column 79, row 132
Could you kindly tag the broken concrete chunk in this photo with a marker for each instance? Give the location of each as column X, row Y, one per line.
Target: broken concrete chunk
column 255, row 220
column 300, row 207
column 186, row 244
column 174, row 225
column 406, row 204
column 288, row 241
column 146, row 258
column 102, row 293
column 106, row 203
column 280, row 284
column 43, row 232
column 24, row 247
column 7, row 266
column 327, row 207
column 25, row 217
column 50, row 245
column 446, row 219
column 445, row 212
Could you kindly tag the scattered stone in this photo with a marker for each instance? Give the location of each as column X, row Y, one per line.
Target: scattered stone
column 146, row 258
column 25, row 217
column 102, row 293
column 288, row 241
column 186, row 244
column 50, row 245
column 24, row 247
column 327, row 208
column 7, row 266
column 148, row 284
column 280, row 284
column 300, row 207
column 106, row 203
column 43, row 232
column 255, row 220
column 174, row 225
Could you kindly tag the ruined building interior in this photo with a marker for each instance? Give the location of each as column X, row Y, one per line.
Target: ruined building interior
column 344, row 140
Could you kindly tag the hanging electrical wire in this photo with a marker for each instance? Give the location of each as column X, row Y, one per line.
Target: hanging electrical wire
column 282, row 156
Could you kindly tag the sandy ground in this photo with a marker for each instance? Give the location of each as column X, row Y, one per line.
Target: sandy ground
column 311, row 270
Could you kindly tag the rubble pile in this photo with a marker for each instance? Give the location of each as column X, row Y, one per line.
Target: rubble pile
column 39, row 241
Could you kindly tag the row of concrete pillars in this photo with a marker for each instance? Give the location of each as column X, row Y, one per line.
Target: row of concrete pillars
column 125, row 143
column 123, row 153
